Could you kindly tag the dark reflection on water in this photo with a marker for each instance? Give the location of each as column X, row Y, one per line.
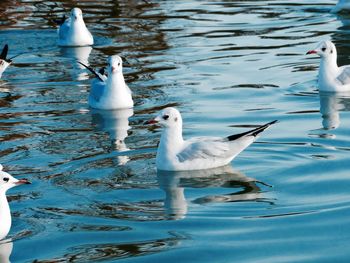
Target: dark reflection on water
column 227, row 66
column 92, row 253
column 174, row 184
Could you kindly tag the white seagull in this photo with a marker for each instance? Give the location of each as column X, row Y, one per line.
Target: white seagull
column 73, row 31
column 331, row 78
column 176, row 154
column 4, row 61
column 341, row 6
column 110, row 92
column 6, row 182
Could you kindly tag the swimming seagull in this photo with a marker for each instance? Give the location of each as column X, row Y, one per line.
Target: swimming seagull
column 176, row 154
column 73, row 31
column 331, row 78
column 110, row 92
column 341, row 6
column 6, row 182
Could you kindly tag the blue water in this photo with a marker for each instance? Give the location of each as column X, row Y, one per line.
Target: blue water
column 227, row 66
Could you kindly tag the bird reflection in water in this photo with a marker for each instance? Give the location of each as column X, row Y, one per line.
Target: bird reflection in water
column 174, row 183
column 330, row 106
column 116, row 124
column 5, row 250
column 80, row 54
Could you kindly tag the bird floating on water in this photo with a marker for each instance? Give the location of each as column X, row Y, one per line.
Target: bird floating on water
column 109, row 91
column 331, row 78
column 73, row 31
column 176, row 154
column 6, row 182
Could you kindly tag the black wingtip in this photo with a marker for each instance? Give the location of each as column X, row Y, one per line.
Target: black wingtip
column 253, row 132
column 4, row 52
column 60, row 22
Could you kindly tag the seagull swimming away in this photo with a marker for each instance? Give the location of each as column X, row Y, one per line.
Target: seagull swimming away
column 342, row 5
column 73, row 31
column 6, row 182
column 110, row 92
column 331, row 78
column 176, row 154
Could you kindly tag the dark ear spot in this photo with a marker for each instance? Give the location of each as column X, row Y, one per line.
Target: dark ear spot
column 331, row 51
column 175, row 119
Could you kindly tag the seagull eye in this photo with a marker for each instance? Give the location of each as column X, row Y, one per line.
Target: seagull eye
column 165, row 117
column 6, row 179
column 323, row 49
column 118, row 64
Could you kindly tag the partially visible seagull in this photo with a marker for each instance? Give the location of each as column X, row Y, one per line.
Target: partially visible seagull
column 4, row 61
column 73, row 31
column 331, row 78
column 176, row 154
column 109, row 91
column 342, row 5
column 6, row 182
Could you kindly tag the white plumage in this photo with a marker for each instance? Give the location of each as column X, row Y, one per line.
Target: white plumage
column 331, row 78
column 6, row 182
column 176, row 154
column 73, row 31
column 110, row 92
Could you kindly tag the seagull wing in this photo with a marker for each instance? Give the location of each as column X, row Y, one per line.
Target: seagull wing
column 344, row 76
column 221, row 148
column 97, row 89
column 204, row 148
column 64, row 29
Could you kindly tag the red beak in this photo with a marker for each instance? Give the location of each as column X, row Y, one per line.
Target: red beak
column 23, row 181
column 311, row 52
column 153, row 121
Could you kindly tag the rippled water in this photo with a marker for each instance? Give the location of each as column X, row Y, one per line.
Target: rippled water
column 227, row 66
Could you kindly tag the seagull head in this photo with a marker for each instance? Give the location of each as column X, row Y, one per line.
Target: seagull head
column 7, row 181
column 168, row 118
column 115, row 64
column 76, row 14
column 325, row 49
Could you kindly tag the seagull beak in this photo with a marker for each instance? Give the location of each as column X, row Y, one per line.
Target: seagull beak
column 22, row 181
column 311, row 52
column 153, row 121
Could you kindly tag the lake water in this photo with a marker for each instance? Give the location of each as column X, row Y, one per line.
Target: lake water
column 227, row 66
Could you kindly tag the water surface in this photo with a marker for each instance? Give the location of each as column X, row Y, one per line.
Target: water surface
column 227, row 66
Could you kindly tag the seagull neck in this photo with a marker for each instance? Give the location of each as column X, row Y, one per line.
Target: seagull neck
column 78, row 25
column 5, row 214
column 328, row 67
column 116, row 84
column 171, row 139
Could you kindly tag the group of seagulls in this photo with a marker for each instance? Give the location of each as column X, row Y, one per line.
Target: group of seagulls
column 110, row 92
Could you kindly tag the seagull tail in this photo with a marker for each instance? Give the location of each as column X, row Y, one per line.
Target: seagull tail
column 255, row 132
column 91, row 70
column 4, row 52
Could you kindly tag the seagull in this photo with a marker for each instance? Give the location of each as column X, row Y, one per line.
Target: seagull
column 110, row 92
column 6, row 182
column 73, row 32
column 331, row 78
column 341, row 6
column 176, row 154
column 4, row 62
